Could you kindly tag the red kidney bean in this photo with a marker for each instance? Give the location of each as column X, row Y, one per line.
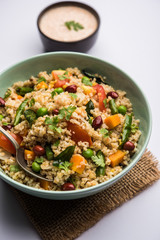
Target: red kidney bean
column 2, row 102
column 55, row 112
column 129, row 146
column 68, row 186
column 112, row 94
column 71, row 89
column 39, row 150
column 97, row 122
column 8, row 127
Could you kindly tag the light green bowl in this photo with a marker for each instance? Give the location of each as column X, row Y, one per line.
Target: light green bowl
column 115, row 77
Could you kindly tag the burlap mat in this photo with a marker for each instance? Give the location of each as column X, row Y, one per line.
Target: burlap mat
column 66, row 220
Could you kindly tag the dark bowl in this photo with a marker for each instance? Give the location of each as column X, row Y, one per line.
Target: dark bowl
column 81, row 45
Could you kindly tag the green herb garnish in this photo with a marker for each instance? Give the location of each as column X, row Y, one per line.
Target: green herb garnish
column 104, row 132
column 65, row 165
column 5, row 124
column 14, row 168
column 52, row 122
column 73, row 95
column 99, row 159
column 66, row 112
column 72, row 25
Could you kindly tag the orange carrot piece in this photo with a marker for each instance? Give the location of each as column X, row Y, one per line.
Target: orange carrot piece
column 19, row 96
column 78, row 133
column 116, row 158
column 78, row 163
column 112, row 121
column 29, row 155
column 44, row 184
column 42, row 85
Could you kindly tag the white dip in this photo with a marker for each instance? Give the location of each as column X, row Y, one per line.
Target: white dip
column 52, row 23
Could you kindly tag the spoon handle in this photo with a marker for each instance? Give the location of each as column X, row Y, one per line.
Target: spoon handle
column 13, row 141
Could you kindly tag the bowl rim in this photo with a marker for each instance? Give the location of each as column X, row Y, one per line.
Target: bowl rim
column 109, row 182
column 63, row 3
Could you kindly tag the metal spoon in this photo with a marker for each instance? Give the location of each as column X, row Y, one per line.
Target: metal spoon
column 20, row 156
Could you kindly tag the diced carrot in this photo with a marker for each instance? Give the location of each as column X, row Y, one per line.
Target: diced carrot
column 29, row 155
column 87, row 90
column 44, row 184
column 42, row 85
column 116, row 158
column 78, row 133
column 78, row 163
column 19, row 96
column 112, row 121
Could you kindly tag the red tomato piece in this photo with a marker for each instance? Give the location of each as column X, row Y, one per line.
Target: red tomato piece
column 101, row 96
column 7, row 145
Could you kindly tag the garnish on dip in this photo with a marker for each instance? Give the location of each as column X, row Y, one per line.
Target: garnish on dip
column 72, row 25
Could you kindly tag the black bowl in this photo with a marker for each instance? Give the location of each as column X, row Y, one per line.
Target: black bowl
column 79, row 46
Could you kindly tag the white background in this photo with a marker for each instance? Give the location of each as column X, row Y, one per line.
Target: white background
column 129, row 38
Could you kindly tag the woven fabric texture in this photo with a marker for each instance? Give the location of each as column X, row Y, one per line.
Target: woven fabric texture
column 66, row 220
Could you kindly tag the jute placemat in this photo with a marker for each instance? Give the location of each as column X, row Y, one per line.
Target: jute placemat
column 66, row 220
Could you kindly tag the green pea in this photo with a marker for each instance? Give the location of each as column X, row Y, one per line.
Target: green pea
column 42, row 111
column 88, row 153
column 1, row 117
column 49, row 153
column 36, row 167
column 122, row 109
column 58, row 90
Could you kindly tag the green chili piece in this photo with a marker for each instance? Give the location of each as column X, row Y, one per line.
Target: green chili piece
column 100, row 171
column 126, row 129
column 89, row 107
column 20, row 111
column 65, row 155
column 30, row 116
column 23, row 90
column 49, row 153
column 112, row 106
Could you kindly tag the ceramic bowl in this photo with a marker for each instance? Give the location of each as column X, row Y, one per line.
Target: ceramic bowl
column 79, row 46
column 115, row 78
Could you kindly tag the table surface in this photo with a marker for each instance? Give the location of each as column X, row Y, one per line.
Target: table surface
column 130, row 39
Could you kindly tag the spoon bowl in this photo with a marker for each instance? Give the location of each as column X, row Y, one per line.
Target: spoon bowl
column 20, row 156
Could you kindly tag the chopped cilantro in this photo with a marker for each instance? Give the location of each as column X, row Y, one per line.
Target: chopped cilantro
column 104, row 132
column 65, row 165
column 72, row 25
column 98, row 160
column 66, row 112
column 63, row 77
column 14, row 168
column 52, row 122
column 73, row 95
